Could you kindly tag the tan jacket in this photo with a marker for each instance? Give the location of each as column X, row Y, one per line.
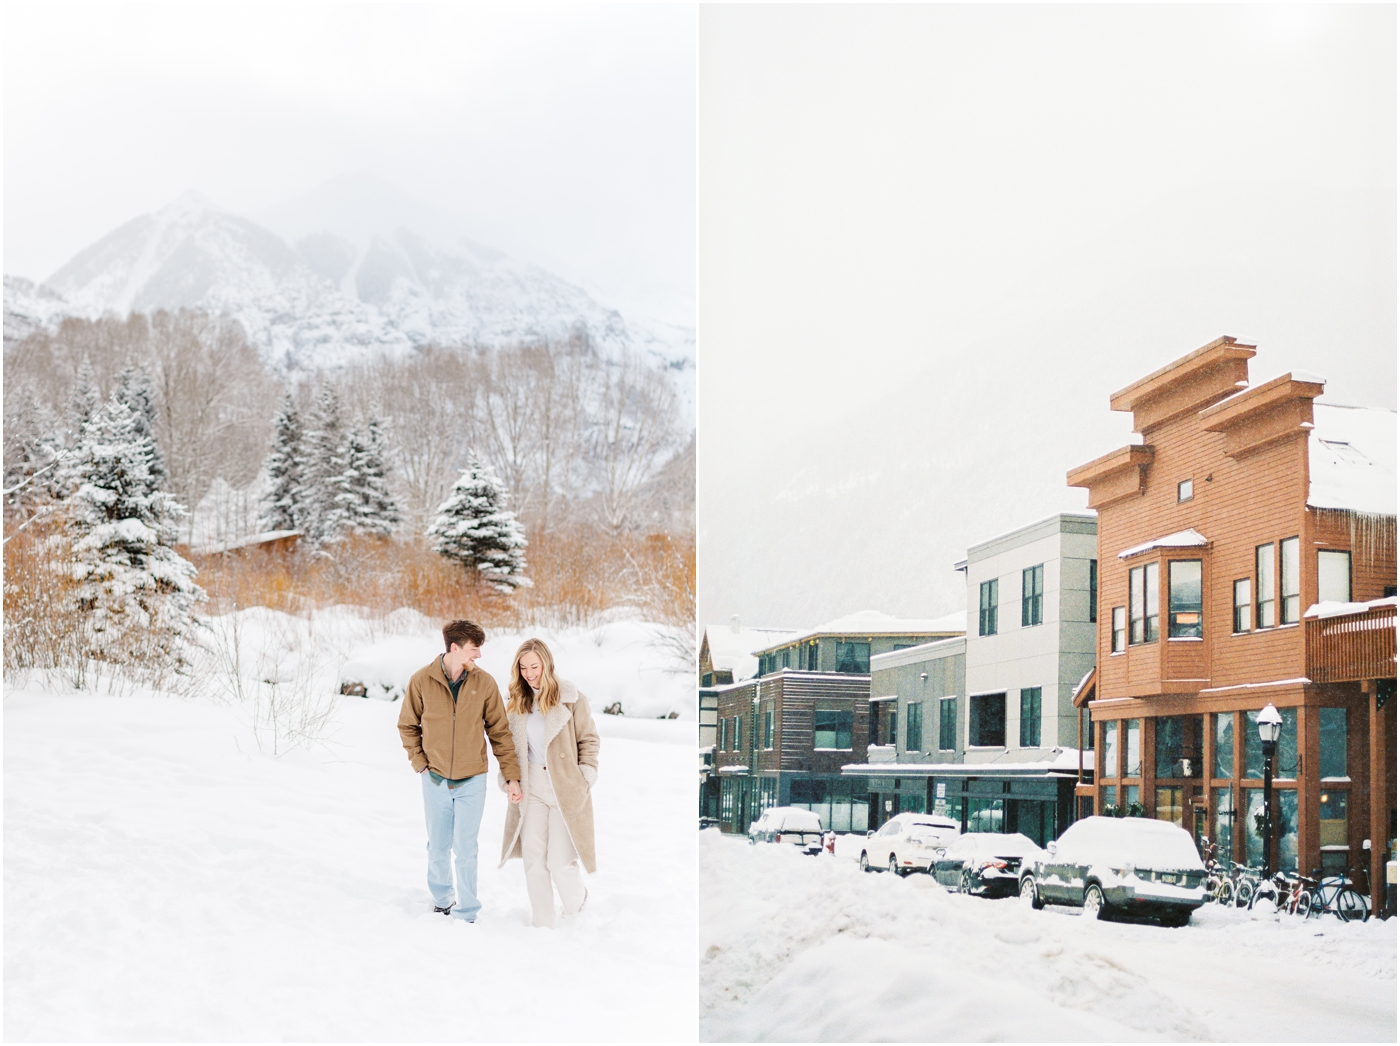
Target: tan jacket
column 571, row 753
column 449, row 738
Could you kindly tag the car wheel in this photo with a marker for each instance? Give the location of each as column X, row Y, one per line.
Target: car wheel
column 894, row 865
column 864, row 862
column 1031, row 894
column 1094, row 906
column 965, row 881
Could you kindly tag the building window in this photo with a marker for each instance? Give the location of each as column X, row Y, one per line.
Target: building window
column 987, row 721
column 1332, row 817
column 914, row 726
column 1224, row 744
column 786, row 655
column 768, row 729
column 853, row 658
column 1143, row 603
column 1183, row 490
column 1184, row 599
column 1110, row 750
column 1288, row 581
column 811, row 657
column 833, row 729
column 1333, row 576
column 1285, row 755
column 987, row 612
column 1120, row 628
column 724, row 735
column 1179, row 747
column 1332, row 742
column 1264, row 586
column 1241, row 605
column 1030, row 717
column 891, row 717
column 1032, row 594
column 1093, row 590
column 736, row 736
column 1133, row 749
column 947, row 724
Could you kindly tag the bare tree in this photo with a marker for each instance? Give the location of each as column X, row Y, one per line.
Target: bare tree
column 636, row 426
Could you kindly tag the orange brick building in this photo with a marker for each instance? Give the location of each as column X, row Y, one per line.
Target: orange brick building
column 1247, row 557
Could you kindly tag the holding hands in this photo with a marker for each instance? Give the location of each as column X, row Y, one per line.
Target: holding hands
column 514, row 792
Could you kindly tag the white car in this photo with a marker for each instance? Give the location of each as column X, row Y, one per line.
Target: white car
column 908, row 842
column 789, row 824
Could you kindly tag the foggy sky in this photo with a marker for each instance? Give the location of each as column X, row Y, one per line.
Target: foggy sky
column 563, row 134
column 934, row 240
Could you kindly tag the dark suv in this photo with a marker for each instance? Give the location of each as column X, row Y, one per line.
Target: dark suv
column 1119, row 866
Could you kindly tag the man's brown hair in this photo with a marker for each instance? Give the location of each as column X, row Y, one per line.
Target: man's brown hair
column 461, row 633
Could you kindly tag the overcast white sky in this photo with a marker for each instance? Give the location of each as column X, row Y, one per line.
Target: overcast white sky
column 933, row 240
column 563, row 133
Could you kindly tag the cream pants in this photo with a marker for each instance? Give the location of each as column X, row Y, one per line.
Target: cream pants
column 550, row 858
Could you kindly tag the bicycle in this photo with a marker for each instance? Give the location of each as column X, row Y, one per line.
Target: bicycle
column 1335, row 894
column 1245, row 881
column 1286, row 891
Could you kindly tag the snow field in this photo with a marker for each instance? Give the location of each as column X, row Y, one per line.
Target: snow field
column 167, row 879
column 795, row 948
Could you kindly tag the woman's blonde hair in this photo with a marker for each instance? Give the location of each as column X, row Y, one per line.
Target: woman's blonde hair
column 522, row 697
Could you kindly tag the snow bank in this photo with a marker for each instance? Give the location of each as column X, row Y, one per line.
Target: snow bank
column 797, row 948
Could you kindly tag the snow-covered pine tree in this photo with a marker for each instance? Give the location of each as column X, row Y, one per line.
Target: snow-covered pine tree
column 139, row 593
column 33, row 445
column 82, row 401
column 474, row 527
column 137, row 389
column 283, row 502
column 370, row 507
column 324, row 464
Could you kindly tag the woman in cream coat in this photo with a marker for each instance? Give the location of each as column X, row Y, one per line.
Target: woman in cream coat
column 551, row 828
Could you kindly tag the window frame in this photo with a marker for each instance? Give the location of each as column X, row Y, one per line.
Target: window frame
column 1093, row 591
column 987, row 608
column 852, row 644
column 1290, row 602
column 1264, row 586
column 1030, row 739
column 948, row 724
column 768, row 730
column 1033, row 596
column 914, row 726
column 975, row 707
column 1334, row 552
column 1185, row 630
column 845, row 723
column 1247, row 607
column 1189, row 487
column 1143, row 584
column 1118, row 630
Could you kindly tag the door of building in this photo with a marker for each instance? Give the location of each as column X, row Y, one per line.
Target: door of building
column 1169, row 806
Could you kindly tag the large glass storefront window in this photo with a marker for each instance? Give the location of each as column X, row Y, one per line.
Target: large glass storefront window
column 1223, row 823
column 1179, row 746
column 1108, row 800
column 1224, row 743
column 1110, row 751
column 1168, row 807
column 1286, row 756
column 1287, row 829
column 985, row 815
column 843, row 805
column 1332, row 754
column 1253, row 838
column 1132, row 805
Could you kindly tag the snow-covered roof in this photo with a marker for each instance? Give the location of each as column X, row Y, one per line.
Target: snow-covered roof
column 1181, row 539
column 248, row 542
column 874, row 623
column 1351, row 459
column 733, row 648
column 1332, row 608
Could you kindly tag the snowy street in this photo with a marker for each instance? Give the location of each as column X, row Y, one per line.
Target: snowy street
column 164, row 879
column 796, row 947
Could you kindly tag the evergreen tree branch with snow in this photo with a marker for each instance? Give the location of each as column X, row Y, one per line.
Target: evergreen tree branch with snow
column 475, row 528
column 282, row 504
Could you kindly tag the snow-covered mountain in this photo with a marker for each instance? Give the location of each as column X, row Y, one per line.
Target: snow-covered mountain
column 331, row 293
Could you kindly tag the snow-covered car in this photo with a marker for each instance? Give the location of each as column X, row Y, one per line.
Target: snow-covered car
column 789, row 824
column 907, row 842
column 1111, row 866
column 986, row 863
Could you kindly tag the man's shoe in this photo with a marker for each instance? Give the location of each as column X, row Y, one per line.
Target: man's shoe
column 443, row 911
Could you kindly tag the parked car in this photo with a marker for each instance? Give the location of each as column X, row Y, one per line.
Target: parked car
column 789, row 824
column 986, row 863
column 907, row 842
column 1112, row 866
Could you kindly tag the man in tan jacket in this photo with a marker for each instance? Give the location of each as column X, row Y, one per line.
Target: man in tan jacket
column 450, row 709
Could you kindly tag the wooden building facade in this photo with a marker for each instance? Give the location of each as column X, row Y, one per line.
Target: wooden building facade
column 1247, row 557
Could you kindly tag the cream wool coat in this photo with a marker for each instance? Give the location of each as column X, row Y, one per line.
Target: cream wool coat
column 571, row 753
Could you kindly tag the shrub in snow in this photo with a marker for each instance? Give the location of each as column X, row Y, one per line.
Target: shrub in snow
column 33, row 445
column 136, row 592
column 474, row 527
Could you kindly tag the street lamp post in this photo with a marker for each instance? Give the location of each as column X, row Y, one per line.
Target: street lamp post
column 1270, row 723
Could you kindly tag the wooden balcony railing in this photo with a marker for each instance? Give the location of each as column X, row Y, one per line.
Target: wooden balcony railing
column 1352, row 647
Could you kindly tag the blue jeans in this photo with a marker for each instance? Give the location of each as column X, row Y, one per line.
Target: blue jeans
column 454, row 816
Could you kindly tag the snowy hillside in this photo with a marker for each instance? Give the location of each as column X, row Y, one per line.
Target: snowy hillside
column 332, row 294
